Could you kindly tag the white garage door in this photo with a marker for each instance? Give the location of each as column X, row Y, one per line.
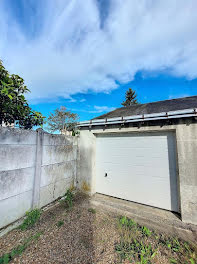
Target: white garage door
column 138, row 167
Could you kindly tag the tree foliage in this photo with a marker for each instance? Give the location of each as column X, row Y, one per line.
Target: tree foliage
column 13, row 105
column 130, row 98
column 62, row 120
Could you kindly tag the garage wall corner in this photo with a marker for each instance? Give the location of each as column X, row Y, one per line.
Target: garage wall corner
column 86, row 167
column 187, row 153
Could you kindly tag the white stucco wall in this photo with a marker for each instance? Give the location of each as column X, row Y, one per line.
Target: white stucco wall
column 186, row 140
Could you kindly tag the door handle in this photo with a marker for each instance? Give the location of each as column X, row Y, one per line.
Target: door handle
column 105, row 174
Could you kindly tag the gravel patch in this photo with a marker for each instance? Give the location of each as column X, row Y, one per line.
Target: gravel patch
column 82, row 235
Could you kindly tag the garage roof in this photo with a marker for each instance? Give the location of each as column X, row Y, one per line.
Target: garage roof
column 151, row 108
column 161, row 110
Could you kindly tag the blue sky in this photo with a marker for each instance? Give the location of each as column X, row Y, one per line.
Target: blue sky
column 85, row 56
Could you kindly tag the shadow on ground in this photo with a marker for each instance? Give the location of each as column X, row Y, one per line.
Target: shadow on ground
column 76, row 235
column 84, row 234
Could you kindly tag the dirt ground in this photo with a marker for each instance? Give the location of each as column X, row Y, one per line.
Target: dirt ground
column 77, row 235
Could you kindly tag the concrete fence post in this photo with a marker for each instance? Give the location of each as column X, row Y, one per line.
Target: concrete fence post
column 38, row 166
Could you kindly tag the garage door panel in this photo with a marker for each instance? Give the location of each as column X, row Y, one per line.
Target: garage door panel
column 135, row 171
column 160, row 167
column 155, row 147
column 134, row 156
column 138, row 168
column 136, row 152
column 140, row 193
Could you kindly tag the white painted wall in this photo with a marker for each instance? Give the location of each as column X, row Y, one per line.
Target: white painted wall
column 56, row 161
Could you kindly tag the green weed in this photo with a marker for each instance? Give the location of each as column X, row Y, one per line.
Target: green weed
column 173, row 261
column 60, row 223
column 31, row 218
column 92, row 210
column 192, row 261
column 126, row 222
column 146, row 231
column 173, row 244
column 131, row 246
column 7, row 257
column 68, row 198
column 138, row 244
column 135, row 250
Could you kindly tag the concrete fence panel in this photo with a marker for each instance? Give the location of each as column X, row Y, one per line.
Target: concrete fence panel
column 35, row 169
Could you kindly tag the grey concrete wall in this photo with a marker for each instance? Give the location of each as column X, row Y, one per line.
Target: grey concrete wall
column 86, row 168
column 187, row 161
column 58, row 172
column 35, row 169
column 186, row 139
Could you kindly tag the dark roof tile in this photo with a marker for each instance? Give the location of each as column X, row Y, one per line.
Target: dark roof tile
column 155, row 107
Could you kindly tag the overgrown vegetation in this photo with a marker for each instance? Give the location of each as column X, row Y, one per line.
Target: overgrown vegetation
column 138, row 244
column 31, row 218
column 68, row 198
column 7, row 257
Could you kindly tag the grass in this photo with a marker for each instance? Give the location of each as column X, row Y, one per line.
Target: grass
column 31, row 218
column 7, row 257
column 138, row 244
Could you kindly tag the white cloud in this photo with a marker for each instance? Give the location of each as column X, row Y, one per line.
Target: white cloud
column 71, row 53
column 95, row 109
column 175, row 96
column 101, row 109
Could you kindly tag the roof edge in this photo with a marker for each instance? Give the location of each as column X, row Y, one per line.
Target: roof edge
column 139, row 118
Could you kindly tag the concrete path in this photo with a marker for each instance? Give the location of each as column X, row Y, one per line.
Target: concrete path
column 154, row 218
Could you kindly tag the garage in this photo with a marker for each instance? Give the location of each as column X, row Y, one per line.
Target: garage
column 139, row 167
column 143, row 154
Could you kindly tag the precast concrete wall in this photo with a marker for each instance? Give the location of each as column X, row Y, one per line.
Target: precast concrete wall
column 35, row 169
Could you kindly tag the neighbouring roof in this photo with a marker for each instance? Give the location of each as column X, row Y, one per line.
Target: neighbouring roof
column 151, row 108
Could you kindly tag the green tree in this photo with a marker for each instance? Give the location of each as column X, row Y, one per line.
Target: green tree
column 130, row 98
column 62, row 120
column 13, row 105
